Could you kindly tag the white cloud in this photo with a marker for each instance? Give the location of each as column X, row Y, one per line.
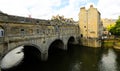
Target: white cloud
column 72, row 10
column 37, row 8
column 109, row 8
column 42, row 9
column 45, row 9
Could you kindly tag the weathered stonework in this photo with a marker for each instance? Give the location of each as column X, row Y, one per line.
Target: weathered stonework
column 91, row 28
column 38, row 33
column 90, row 23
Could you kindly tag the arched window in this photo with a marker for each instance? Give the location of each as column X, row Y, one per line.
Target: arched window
column 1, row 32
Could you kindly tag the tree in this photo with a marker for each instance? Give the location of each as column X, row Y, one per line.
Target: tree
column 110, row 26
column 115, row 30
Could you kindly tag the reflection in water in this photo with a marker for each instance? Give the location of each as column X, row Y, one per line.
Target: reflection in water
column 108, row 61
column 77, row 58
column 76, row 67
column 13, row 58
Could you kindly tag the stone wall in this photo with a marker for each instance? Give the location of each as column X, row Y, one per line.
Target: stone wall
column 90, row 42
column 90, row 23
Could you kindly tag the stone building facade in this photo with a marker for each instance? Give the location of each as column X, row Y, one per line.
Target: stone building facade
column 90, row 23
column 91, row 27
column 18, row 31
column 108, row 22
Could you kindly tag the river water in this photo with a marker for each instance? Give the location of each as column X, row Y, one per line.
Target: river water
column 76, row 58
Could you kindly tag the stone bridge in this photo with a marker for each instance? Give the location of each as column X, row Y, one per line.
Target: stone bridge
column 41, row 35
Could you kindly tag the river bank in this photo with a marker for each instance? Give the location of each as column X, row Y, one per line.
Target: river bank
column 115, row 43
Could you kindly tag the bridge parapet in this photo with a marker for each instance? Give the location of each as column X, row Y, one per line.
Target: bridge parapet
column 40, row 35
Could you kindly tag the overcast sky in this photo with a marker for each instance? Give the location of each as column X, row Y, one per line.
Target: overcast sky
column 45, row 9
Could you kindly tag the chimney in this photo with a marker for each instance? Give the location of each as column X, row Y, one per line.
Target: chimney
column 91, row 6
column 82, row 8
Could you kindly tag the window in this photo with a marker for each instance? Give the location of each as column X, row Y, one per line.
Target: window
column 56, row 28
column 22, row 31
column 37, row 31
column 37, row 21
column 1, row 32
column 81, row 35
column 84, row 26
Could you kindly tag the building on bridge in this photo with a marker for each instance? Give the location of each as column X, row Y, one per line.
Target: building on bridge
column 90, row 23
column 35, row 34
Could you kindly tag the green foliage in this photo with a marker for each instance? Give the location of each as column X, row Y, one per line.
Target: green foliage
column 108, row 44
column 110, row 27
column 116, row 29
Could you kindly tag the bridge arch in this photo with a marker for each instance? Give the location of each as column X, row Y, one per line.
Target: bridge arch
column 71, row 40
column 32, row 55
column 70, row 43
column 11, row 58
column 31, row 45
column 26, row 53
column 32, row 52
column 56, row 46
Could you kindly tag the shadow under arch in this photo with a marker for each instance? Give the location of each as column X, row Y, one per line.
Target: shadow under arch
column 32, row 55
column 70, row 43
column 71, row 40
column 55, row 47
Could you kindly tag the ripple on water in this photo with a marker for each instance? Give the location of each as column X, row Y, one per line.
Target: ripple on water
column 75, row 66
column 108, row 61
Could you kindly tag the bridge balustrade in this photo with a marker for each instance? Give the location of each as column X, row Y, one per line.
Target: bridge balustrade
column 29, row 31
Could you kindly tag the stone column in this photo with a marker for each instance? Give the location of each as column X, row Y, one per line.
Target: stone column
column 0, row 69
column 44, row 55
column 76, row 41
column 65, row 46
